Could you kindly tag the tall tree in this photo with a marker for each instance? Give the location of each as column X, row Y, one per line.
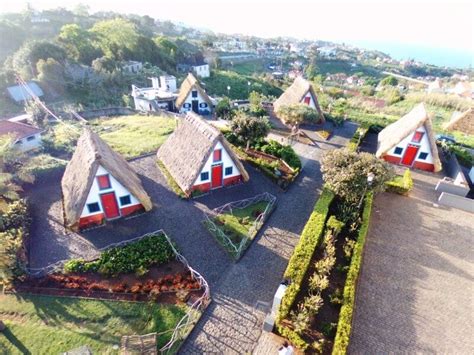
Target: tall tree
column 249, row 129
column 78, row 44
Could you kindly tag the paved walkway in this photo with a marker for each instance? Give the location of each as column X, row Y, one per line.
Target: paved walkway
column 415, row 292
column 240, row 291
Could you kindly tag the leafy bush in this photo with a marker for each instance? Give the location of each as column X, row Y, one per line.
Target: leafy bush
column 298, row 113
column 224, row 109
column 134, row 257
column 462, row 154
column 43, row 164
column 284, row 152
column 389, row 81
column 401, row 185
column 357, row 138
column 343, row 333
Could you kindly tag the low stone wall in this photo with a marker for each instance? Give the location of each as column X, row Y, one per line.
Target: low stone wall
column 455, row 201
column 108, row 111
column 452, row 188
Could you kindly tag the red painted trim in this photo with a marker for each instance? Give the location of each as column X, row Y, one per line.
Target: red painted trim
column 233, row 180
column 202, row 187
column 392, row 159
column 423, row 166
column 90, row 221
column 127, row 210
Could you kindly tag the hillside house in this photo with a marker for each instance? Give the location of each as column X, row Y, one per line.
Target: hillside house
column 25, row 137
column 99, row 185
column 199, row 158
column 160, row 96
column 192, row 97
column 410, row 141
column 300, row 92
column 19, row 94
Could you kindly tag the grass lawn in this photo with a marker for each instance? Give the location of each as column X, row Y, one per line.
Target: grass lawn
column 248, row 68
column 237, row 225
column 52, row 325
column 135, row 135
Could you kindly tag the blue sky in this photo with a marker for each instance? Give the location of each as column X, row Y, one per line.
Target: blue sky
column 418, row 24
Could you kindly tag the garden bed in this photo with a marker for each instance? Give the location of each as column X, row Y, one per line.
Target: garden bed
column 235, row 224
column 325, row 280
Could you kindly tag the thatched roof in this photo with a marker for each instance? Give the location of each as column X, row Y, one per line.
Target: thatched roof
column 462, row 121
column 189, row 84
column 295, row 94
column 394, row 133
column 92, row 152
column 187, row 150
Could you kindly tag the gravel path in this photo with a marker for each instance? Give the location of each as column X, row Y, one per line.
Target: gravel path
column 241, row 291
column 424, row 304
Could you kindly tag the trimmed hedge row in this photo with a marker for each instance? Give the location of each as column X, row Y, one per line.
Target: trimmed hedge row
column 355, row 141
column 300, row 261
column 401, row 185
column 344, row 325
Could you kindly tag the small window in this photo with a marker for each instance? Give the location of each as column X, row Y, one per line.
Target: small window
column 19, row 142
column 229, row 170
column 203, row 105
column 417, row 137
column 423, row 156
column 217, row 155
column 93, row 207
column 125, row 200
column 398, row 150
column 194, row 93
column 204, row 176
column 103, row 181
column 187, row 105
column 30, row 138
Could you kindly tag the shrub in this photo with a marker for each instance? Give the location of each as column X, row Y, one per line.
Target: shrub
column 335, row 225
column 401, row 185
column 318, row 282
column 284, row 152
column 336, row 298
column 135, row 257
column 297, row 113
column 358, row 137
column 300, row 319
column 301, row 258
column 348, row 247
column 462, row 154
column 313, row 303
column 341, row 341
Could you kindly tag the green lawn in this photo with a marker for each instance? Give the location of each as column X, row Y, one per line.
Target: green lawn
column 135, row 135
column 52, row 325
column 248, row 68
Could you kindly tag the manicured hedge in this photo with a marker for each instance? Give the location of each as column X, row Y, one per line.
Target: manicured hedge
column 134, row 257
column 357, row 138
column 401, row 185
column 344, row 325
column 300, row 261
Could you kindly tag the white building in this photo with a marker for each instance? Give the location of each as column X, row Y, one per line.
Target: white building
column 25, row 137
column 132, row 66
column 192, row 97
column 161, row 96
column 201, row 70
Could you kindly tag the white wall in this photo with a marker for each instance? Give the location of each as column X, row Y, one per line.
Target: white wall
column 312, row 104
column 25, row 145
column 202, row 71
column 115, row 186
column 424, row 147
column 226, row 162
column 190, row 99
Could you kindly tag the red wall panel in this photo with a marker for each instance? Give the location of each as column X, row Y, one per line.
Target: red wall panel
column 90, row 221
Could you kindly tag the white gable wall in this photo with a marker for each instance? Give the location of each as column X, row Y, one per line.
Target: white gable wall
column 28, row 143
column 424, row 146
column 115, row 186
column 189, row 102
column 226, row 162
column 312, row 104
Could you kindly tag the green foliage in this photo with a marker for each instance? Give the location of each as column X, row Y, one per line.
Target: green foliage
column 357, row 138
column 346, row 173
column 389, row 81
column 297, row 113
column 391, row 95
column 401, row 185
column 334, row 225
column 256, row 104
column 224, row 109
column 301, row 257
column 51, row 75
column 343, row 333
column 43, row 164
column 335, row 93
column 78, row 44
column 133, row 257
column 462, row 154
column 249, row 129
column 14, row 228
column 284, row 152
column 171, row 181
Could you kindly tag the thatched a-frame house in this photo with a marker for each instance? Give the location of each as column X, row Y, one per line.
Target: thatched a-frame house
column 192, row 97
column 462, row 121
column 99, row 185
column 410, row 141
column 300, row 92
column 198, row 157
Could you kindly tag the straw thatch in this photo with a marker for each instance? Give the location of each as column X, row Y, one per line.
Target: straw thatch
column 92, row 152
column 463, row 122
column 187, row 150
column 394, row 133
column 189, row 84
column 295, row 94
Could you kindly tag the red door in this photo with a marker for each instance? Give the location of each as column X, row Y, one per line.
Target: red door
column 307, row 100
column 410, row 154
column 216, row 176
column 109, row 204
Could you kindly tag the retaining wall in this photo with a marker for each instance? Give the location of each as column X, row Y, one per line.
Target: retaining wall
column 462, row 203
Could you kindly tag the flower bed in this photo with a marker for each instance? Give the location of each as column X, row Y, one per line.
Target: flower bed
column 323, row 272
column 235, row 224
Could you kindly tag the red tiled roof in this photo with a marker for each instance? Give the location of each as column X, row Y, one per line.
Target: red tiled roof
column 17, row 130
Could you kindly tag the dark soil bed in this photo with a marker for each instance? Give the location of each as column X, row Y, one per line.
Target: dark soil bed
column 169, row 283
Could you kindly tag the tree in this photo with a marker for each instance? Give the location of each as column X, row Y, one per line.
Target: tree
column 296, row 114
column 51, row 74
column 36, row 111
column 116, row 38
column 78, row 44
column 249, row 129
column 346, row 172
column 11, row 38
column 256, row 104
column 224, row 109
column 389, row 81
